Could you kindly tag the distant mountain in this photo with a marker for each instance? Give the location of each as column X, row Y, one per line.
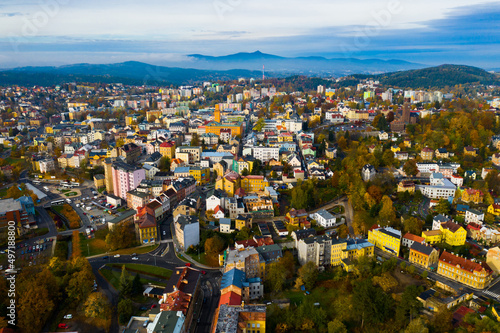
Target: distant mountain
column 130, row 72
column 433, row 77
column 311, row 66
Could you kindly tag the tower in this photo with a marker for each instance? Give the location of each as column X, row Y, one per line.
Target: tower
column 217, row 116
column 406, row 113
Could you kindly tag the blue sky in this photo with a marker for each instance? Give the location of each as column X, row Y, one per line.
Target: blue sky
column 57, row 32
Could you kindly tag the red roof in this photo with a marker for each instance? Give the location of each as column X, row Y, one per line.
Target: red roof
column 473, row 226
column 218, row 209
column 166, row 144
column 230, row 298
column 176, row 301
column 414, row 238
column 464, row 264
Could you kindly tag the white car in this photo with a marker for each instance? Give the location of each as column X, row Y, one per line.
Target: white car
column 68, row 316
column 117, row 256
column 135, row 258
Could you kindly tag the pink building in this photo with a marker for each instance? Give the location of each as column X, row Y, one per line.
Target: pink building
column 126, row 177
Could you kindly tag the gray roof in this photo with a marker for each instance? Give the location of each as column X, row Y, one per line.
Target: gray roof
column 422, row 248
column 324, row 214
column 9, row 205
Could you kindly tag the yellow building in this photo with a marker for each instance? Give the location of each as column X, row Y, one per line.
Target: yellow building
column 387, row 239
column 345, row 251
column 406, row 185
column 470, row 151
column 254, row 183
column 167, row 149
column 464, row 271
column 242, row 221
column 147, row 229
column 215, row 127
column 200, row 174
column 395, row 149
column 252, row 322
column 423, row 255
column 453, row 234
column 472, row 195
column 99, row 181
column 494, row 209
column 407, row 143
column 229, row 183
column 427, row 154
column 432, row 236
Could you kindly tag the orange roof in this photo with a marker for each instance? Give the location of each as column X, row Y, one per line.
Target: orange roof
column 414, row 238
column 463, row 263
column 176, row 301
column 432, row 232
column 230, row 298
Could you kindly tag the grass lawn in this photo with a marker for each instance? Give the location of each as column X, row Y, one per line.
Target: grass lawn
column 71, row 194
column 145, row 269
column 113, row 277
column 41, row 231
column 295, row 297
column 96, row 245
column 11, row 160
column 337, row 209
column 3, row 192
column 64, row 191
column 100, row 190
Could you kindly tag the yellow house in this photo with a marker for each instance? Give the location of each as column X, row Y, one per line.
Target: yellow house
column 229, row 183
column 494, row 209
column 254, row 183
column 167, row 149
column 472, row 195
column 147, row 229
column 423, row 255
column 432, row 236
column 387, row 239
column 219, row 169
column 407, row 143
column 395, row 149
column 345, row 251
column 495, row 310
column 200, row 174
column 453, row 234
column 471, row 151
column 406, row 185
column 242, row 221
column 49, row 130
column 464, row 271
column 251, row 322
column 427, row 154
column 99, row 181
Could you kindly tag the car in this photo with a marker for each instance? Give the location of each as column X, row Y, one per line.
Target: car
column 68, row 316
column 188, row 264
column 62, row 325
column 146, row 322
column 105, row 257
column 203, row 272
column 116, row 256
column 135, row 258
column 164, row 233
column 153, row 306
column 133, row 254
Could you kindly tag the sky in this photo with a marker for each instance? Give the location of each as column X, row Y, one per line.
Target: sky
column 58, row 32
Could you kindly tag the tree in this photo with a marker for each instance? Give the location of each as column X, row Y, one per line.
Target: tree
column 336, row 326
column 136, row 285
column 195, row 140
column 34, row 304
column 259, row 125
column 413, row 225
column 214, row 245
column 409, row 306
column 442, row 321
column 125, row 283
column 371, row 303
column 97, row 306
column 125, row 310
column 308, row 274
column 245, row 172
column 410, row 168
column 287, row 263
column 387, row 213
column 164, row 164
column 122, row 236
column 443, row 207
column 275, row 277
column 80, row 283
column 417, row 326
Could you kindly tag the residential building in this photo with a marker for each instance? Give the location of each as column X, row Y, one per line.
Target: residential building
column 229, row 183
column 427, row 154
column 345, row 251
column 453, row 234
column 368, row 172
column 125, row 177
column 167, row 322
column 254, row 183
column 187, row 231
column 136, row 199
column 147, row 229
column 316, row 249
column 297, row 218
column 439, row 188
column 494, row 209
column 387, row 239
column 225, row 225
column 474, row 215
column 99, row 181
column 493, row 259
column 240, row 319
column 243, row 220
column 472, row 195
column 46, row 165
column 325, row 219
column 424, row 255
column 406, row 185
column 409, row 239
column 432, row 236
column 462, row 270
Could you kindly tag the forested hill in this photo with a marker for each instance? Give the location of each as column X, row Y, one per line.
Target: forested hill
column 433, row 77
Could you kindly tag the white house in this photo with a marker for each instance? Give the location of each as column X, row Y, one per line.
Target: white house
column 383, row 135
column 225, row 225
column 368, row 172
column 439, row 188
column 213, row 201
column 218, row 213
column 474, row 215
column 324, row 218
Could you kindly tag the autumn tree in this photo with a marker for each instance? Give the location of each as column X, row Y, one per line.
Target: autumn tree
column 164, row 164
column 122, row 236
column 308, row 274
column 410, row 168
column 214, row 245
column 387, row 214
column 336, row 326
column 413, row 225
column 275, row 277
column 371, row 303
column 443, row 207
column 416, row 326
column 97, row 306
column 125, row 310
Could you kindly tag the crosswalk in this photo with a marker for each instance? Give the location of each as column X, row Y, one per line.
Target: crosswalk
column 492, row 294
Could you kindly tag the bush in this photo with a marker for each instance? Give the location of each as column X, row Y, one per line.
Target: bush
column 76, row 247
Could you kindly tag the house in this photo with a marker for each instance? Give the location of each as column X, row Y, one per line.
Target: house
column 243, row 220
column 438, row 219
column 427, row 154
column 495, row 159
column 218, row 212
column 470, row 151
column 368, row 172
column 442, row 153
column 462, row 209
column 409, row 239
column 493, row 259
column 406, row 185
column 468, row 272
column 297, row 235
column 345, row 251
column 297, row 217
column 324, row 218
column 316, row 249
column 472, row 195
column 383, row 136
column 494, row 209
column 387, row 239
column 432, row 236
column 423, row 255
column 453, row 234
column 474, row 215
column 225, row 225
column 187, row 231
column 214, row 198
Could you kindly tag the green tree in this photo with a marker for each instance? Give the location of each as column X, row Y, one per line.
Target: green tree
column 125, row 283
column 371, row 303
column 416, row 326
column 125, row 310
column 245, row 172
column 336, row 326
column 443, row 207
column 259, row 125
column 136, row 285
column 410, row 168
column 409, row 306
column 309, row 274
column 195, row 140
column 275, row 277
column 164, row 164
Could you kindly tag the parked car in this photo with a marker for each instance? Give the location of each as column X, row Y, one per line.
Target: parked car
column 62, row 325
column 68, row 316
column 116, row 256
column 188, row 264
column 153, row 306
column 105, row 257
column 203, row 272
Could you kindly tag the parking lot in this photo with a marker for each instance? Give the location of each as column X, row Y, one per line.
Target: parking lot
column 33, row 253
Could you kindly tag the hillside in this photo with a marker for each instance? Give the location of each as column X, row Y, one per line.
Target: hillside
column 433, row 77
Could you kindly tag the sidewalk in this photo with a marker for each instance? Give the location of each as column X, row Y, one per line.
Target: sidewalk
column 197, row 264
